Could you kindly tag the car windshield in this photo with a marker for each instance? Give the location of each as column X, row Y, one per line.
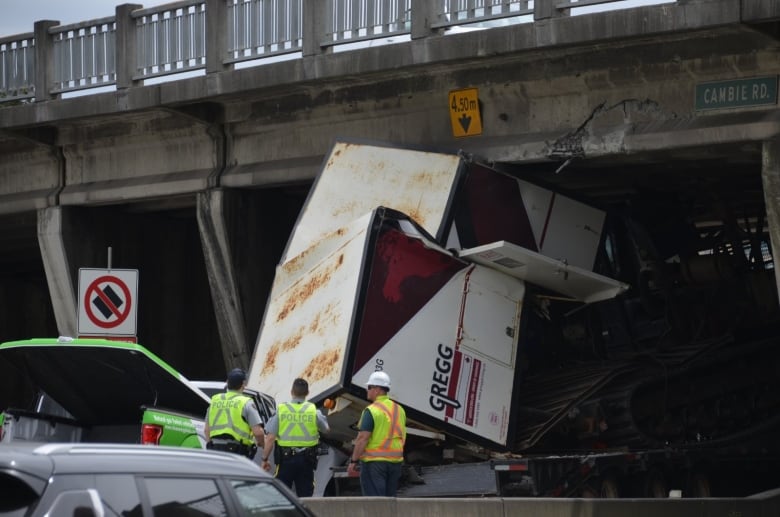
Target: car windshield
column 263, row 498
column 49, row 406
column 212, row 391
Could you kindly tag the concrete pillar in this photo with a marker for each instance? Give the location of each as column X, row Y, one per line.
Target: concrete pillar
column 770, row 175
column 126, row 45
column 212, row 224
column 315, row 27
column 424, row 14
column 51, row 231
column 44, row 60
column 216, row 36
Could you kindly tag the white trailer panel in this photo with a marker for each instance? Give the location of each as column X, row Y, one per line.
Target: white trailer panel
column 309, row 315
column 556, row 275
column 358, row 178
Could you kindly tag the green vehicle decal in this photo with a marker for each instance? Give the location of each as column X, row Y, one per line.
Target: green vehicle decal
column 176, row 430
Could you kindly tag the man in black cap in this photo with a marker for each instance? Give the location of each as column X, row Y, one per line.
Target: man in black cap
column 233, row 423
column 295, row 428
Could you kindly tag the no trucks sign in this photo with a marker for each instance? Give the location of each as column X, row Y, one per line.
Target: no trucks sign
column 108, row 301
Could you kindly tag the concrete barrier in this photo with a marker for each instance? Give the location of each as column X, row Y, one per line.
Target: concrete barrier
column 424, row 507
column 766, row 504
column 353, row 506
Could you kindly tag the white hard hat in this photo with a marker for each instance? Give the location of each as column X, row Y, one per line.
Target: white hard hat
column 379, row 379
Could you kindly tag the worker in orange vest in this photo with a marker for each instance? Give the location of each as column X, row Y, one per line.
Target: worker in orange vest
column 379, row 446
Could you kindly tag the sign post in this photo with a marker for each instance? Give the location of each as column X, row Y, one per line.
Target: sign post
column 108, row 302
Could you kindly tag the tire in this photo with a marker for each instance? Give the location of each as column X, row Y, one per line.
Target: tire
column 699, row 485
column 610, row 489
column 603, row 487
column 655, row 485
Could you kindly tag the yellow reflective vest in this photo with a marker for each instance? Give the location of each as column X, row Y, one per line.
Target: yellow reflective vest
column 297, row 425
column 387, row 440
column 225, row 417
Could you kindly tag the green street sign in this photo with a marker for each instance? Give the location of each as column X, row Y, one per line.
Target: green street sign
column 739, row 93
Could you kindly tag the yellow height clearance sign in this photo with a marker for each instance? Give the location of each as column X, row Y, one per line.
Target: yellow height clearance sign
column 464, row 112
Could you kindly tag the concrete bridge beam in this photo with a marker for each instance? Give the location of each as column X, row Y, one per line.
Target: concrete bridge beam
column 212, row 206
column 54, row 228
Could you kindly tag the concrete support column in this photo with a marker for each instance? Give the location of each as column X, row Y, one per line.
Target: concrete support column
column 315, row 27
column 44, row 60
column 423, row 16
column 770, row 175
column 216, row 36
column 126, row 45
column 52, row 229
column 212, row 224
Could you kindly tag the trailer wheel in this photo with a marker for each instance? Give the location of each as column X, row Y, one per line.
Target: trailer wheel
column 604, row 487
column 655, row 485
column 331, row 489
column 699, row 485
column 609, row 488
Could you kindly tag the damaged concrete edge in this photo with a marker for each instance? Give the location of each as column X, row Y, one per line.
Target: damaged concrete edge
column 695, row 135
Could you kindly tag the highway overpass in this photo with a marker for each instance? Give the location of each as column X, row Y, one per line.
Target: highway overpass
column 197, row 181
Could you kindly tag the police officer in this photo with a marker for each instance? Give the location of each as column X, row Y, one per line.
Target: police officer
column 295, row 428
column 379, row 446
column 233, row 423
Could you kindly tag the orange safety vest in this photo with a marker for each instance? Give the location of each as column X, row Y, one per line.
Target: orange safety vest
column 387, row 440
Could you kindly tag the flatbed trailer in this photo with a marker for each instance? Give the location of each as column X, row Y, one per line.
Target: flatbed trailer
column 656, row 474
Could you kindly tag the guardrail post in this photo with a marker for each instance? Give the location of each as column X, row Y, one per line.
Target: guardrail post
column 422, row 16
column 44, row 60
column 545, row 9
column 315, row 27
column 216, row 36
column 126, row 45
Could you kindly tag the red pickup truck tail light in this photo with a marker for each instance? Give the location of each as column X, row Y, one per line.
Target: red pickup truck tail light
column 151, row 434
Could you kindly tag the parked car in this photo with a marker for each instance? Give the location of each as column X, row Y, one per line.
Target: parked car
column 91, row 479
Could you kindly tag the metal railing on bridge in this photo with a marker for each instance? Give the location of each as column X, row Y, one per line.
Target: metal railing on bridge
column 214, row 35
